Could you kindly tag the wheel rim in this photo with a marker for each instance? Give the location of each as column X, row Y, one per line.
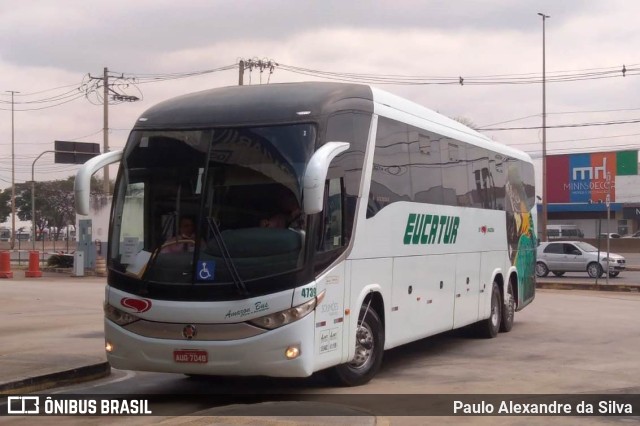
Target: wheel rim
column 593, row 270
column 494, row 313
column 510, row 306
column 540, row 269
column 364, row 348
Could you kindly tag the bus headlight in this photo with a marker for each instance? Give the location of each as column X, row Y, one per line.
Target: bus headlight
column 119, row 317
column 287, row 316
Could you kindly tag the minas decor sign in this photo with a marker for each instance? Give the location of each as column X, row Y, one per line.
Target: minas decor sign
column 580, row 178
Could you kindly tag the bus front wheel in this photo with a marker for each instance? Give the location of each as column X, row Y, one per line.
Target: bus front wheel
column 369, row 349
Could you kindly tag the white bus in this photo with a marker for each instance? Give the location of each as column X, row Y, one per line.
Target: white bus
column 332, row 221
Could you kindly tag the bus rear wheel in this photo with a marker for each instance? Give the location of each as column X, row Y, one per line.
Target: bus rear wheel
column 369, row 349
column 508, row 310
column 490, row 327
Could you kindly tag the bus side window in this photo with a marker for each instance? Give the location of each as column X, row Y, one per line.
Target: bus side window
column 332, row 235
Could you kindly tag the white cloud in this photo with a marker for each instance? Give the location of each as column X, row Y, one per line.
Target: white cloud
column 45, row 45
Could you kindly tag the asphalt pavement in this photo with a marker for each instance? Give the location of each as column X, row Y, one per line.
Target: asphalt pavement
column 51, row 329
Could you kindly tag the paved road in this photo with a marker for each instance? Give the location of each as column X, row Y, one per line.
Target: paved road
column 625, row 277
column 565, row 342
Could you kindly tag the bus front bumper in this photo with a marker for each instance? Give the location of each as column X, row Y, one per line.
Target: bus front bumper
column 262, row 355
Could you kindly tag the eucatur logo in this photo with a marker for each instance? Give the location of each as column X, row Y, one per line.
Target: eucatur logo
column 138, row 305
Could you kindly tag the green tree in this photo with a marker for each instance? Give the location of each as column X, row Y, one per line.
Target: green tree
column 54, row 203
column 5, row 204
column 467, row 122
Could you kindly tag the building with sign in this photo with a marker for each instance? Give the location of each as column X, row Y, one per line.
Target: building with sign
column 579, row 187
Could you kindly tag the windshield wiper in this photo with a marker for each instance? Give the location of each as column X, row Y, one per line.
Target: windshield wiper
column 231, row 267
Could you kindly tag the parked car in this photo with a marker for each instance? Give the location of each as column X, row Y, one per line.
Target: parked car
column 634, row 235
column 611, row 235
column 576, row 256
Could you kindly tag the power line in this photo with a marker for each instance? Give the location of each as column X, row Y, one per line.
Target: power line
column 42, row 91
column 530, row 78
column 579, row 139
column 561, row 126
column 46, row 107
column 558, row 113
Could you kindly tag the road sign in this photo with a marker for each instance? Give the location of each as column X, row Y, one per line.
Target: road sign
column 75, row 152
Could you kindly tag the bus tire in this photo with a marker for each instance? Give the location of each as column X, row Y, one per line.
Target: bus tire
column 490, row 327
column 369, row 350
column 508, row 310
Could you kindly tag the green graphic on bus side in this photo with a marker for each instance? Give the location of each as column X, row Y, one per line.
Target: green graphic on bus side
column 431, row 229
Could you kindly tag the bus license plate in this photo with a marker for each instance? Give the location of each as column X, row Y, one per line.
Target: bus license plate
column 191, row 356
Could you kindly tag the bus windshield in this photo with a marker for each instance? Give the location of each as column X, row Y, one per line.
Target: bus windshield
column 211, row 206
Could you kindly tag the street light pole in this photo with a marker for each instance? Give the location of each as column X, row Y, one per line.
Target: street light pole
column 544, row 132
column 13, row 177
column 608, row 219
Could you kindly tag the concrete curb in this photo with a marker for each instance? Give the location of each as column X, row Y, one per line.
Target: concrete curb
column 61, row 378
column 555, row 285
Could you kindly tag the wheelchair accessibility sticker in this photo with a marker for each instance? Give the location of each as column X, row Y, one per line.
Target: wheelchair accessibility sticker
column 206, row 270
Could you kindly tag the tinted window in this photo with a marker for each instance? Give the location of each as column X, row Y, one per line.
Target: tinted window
column 480, row 180
column 570, row 233
column 528, row 178
column 571, row 249
column 426, row 158
column 445, row 171
column 390, row 178
column 455, row 181
column 353, row 128
column 331, row 236
column 553, row 249
column 499, row 166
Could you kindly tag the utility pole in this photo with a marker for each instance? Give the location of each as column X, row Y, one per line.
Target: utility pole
column 241, row 72
column 105, row 130
column 608, row 219
column 13, row 176
column 106, row 89
column 544, row 132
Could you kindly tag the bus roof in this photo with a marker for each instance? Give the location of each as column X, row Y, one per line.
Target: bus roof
column 428, row 119
column 300, row 102
column 257, row 104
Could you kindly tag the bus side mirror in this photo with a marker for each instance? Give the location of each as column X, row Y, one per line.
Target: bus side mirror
column 82, row 183
column 316, row 174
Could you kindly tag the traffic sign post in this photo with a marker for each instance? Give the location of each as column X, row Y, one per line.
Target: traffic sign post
column 79, row 153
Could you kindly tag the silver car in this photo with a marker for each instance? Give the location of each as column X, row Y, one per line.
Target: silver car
column 575, row 256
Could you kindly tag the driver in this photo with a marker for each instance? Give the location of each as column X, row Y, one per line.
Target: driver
column 290, row 215
column 185, row 240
